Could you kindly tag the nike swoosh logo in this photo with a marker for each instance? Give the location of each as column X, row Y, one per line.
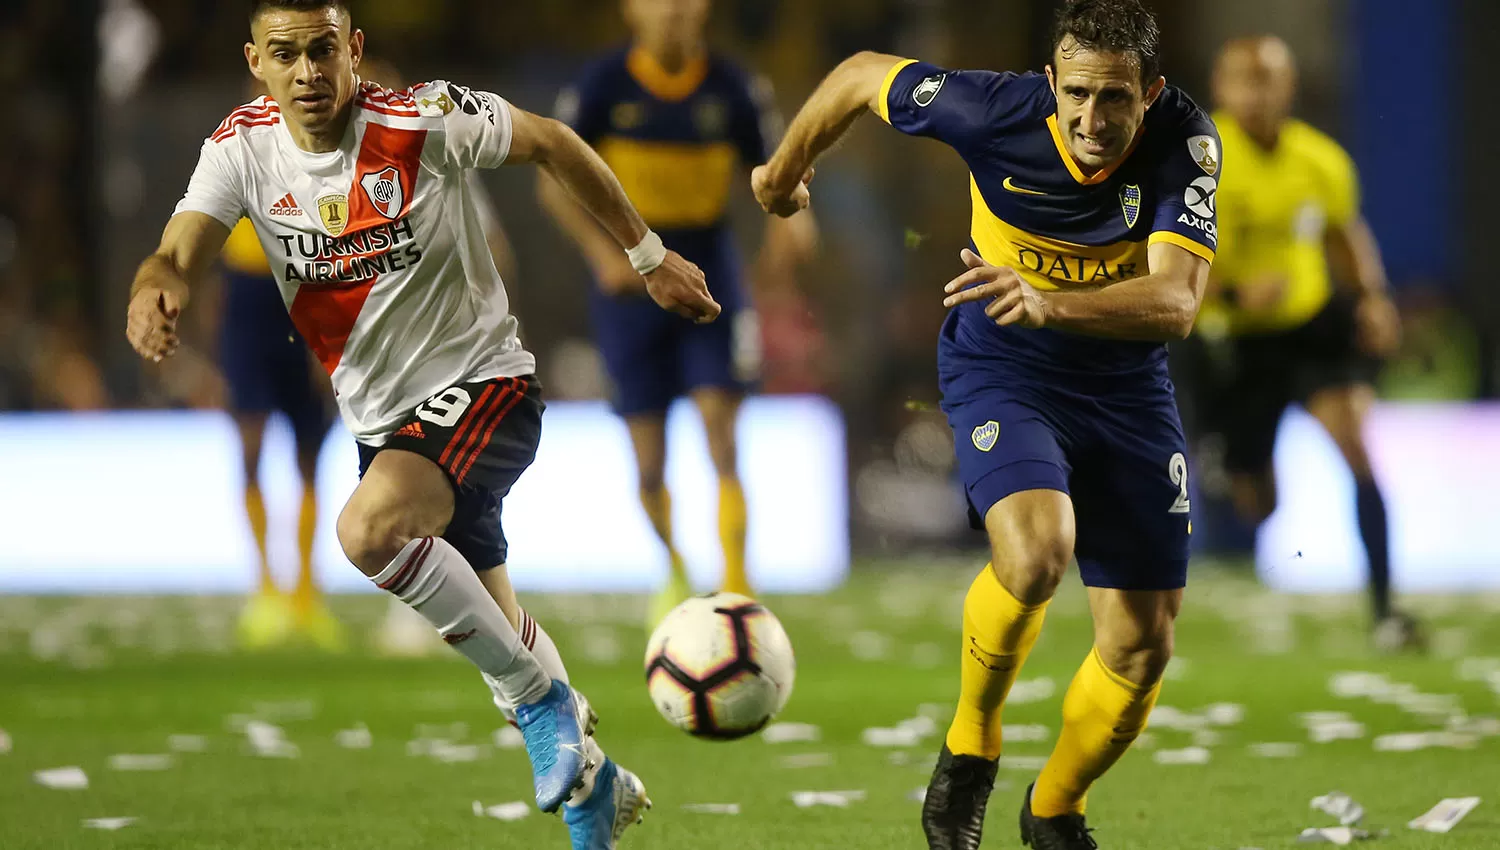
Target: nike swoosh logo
column 1010, row 185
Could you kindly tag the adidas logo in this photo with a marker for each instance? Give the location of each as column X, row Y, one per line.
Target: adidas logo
column 411, row 429
column 287, row 206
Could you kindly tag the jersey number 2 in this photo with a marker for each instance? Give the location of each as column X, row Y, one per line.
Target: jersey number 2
column 444, row 409
column 1177, row 470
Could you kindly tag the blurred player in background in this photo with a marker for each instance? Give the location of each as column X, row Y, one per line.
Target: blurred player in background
column 673, row 119
column 386, row 275
column 268, row 368
column 1299, row 309
column 1090, row 249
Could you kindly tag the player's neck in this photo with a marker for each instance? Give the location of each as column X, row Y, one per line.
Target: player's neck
column 324, row 139
column 671, row 57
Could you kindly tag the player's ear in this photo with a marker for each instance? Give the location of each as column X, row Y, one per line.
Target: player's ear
column 252, row 58
column 357, row 46
column 1155, row 90
column 1051, row 78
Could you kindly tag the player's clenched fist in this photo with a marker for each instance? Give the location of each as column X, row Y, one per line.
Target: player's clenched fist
column 151, row 322
column 1013, row 301
column 776, row 200
column 679, row 286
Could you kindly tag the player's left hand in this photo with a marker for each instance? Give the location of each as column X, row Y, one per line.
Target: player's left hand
column 1014, row 301
column 679, row 286
column 775, row 200
column 1377, row 325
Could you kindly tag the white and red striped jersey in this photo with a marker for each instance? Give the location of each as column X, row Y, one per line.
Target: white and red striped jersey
column 378, row 247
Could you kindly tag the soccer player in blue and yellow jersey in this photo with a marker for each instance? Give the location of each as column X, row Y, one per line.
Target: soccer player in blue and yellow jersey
column 1093, row 229
column 1298, row 309
column 674, row 121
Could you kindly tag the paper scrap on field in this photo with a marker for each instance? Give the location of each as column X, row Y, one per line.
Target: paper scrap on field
column 1275, row 749
column 1340, row 835
column 69, row 778
column 786, row 733
column 356, row 738
column 4, row 742
column 509, row 738
column 187, row 743
column 800, row 760
column 837, row 799
column 712, row 808
column 1445, row 815
column 1339, row 805
column 502, row 811
column 109, row 824
column 128, row 761
column 1186, row 755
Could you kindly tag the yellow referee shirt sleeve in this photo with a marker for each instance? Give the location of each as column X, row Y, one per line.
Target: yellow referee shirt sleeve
column 1341, row 184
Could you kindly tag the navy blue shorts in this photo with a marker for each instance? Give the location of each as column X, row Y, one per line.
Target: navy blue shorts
column 266, row 363
column 654, row 357
column 1121, row 458
column 483, row 434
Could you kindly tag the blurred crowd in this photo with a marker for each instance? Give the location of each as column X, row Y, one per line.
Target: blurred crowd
column 107, row 123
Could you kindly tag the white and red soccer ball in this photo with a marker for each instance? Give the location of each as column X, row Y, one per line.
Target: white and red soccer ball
column 720, row 666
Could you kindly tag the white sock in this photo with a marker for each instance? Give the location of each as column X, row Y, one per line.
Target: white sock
column 536, row 639
column 435, row 580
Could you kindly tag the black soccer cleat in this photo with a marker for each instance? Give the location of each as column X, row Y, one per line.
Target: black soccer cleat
column 1064, row 832
column 953, row 811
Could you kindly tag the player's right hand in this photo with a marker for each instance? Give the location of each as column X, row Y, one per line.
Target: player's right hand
column 778, row 201
column 151, row 322
column 679, row 286
column 1012, row 301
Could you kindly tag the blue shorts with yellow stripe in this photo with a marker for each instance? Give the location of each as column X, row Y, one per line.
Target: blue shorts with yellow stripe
column 1112, row 442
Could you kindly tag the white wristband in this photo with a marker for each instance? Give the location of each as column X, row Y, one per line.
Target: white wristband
column 648, row 255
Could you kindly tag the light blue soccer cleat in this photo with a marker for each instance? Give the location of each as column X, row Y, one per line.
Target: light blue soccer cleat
column 618, row 801
column 555, row 730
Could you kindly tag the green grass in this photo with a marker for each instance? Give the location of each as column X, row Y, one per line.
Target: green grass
column 128, row 673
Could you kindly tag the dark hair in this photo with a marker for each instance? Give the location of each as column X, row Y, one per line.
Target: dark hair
column 259, row 7
column 1113, row 26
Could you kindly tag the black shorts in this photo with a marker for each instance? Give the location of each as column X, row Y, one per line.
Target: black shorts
column 1251, row 379
column 483, row 434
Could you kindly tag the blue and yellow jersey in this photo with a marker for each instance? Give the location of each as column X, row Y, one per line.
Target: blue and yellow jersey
column 1277, row 207
column 1036, row 211
column 252, row 301
column 677, row 142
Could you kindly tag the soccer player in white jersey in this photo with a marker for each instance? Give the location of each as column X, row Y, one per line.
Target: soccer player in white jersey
column 359, row 198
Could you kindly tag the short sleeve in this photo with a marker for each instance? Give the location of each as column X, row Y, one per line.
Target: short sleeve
column 1186, row 188
column 476, row 125
column 217, row 187
column 757, row 125
column 958, row 108
column 1341, row 185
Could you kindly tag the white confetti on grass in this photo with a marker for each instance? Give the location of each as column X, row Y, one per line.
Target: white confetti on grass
column 1345, row 730
column 1186, row 755
column 1031, row 690
column 870, row 646
column 509, row 738
column 267, row 741
column 1338, row 805
column 5, row 744
column 788, row 733
column 1406, row 742
column 108, row 824
column 1023, row 732
column 712, row 808
column 1276, row 749
column 836, row 799
column 1340, row 835
column 1445, row 815
column 356, row 737
column 132, row 762
column 1224, row 714
column 890, row 737
column 71, row 778
column 187, row 743
column 1028, row 763
column 804, row 760
column 513, row 811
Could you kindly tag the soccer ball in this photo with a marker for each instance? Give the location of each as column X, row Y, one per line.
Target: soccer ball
column 720, row 666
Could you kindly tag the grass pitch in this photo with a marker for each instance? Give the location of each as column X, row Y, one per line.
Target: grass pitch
column 82, row 680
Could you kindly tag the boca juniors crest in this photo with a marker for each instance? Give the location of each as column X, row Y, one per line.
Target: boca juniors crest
column 1130, row 203
column 384, row 190
column 985, row 435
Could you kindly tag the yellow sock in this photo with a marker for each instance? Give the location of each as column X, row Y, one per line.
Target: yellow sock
column 732, row 535
column 307, row 530
column 255, row 511
column 658, row 505
column 999, row 631
column 1102, row 714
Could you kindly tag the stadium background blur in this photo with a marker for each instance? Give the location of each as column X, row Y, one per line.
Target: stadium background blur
column 110, row 100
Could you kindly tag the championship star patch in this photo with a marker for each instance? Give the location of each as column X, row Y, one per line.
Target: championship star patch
column 1130, row 203
column 334, row 211
column 1205, row 151
column 985, row 435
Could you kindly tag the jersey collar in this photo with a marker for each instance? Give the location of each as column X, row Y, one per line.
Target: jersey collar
column 1074, row 169
column 661, row 83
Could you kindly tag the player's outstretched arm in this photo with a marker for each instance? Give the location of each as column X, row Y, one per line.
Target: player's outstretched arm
column 1354, row 257
column 847, row 92
column 674, row 283
column 1159, row 307
column 162, row 283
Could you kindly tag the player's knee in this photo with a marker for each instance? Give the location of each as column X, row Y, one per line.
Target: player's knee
column 1138, row 653
column 1031, row 569
column 372, row 537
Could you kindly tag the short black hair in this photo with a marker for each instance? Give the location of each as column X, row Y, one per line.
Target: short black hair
column 260, row 7
column 1114, row 26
